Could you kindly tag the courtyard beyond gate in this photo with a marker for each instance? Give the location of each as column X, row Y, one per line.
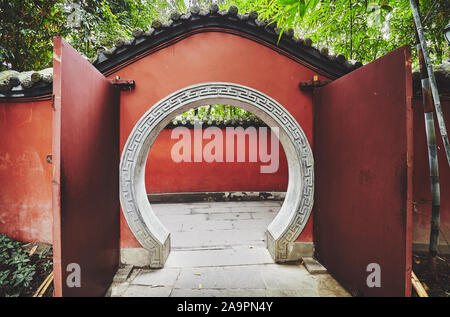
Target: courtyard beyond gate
column 218, row 249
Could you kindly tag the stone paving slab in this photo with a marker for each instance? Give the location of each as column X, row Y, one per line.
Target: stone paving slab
column 264, row 214
column 219, row 293
column 199, row 204
column 212, row 210
column 261, row 280
column 117, row 289
column 217, row 238
column 162, row 277
column 175, row 223
column 217, row 224
column 244, row 224
column 171, row 218
column 313, row 266
column 123, row 273
column 218, row 249
column 229, row 216
column 208, row 225
column 172, row 209
column 186, row 205
column 265, row 209
column 300, row 292
column 329, row 287
column 287, row 276
column 227, row 257
column 147, row 291
column 228, row 277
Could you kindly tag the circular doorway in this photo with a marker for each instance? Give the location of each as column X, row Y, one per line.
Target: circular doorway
column 298, row 202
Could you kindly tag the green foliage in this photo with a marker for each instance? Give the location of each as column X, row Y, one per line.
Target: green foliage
column 26, row 31
column 359, row 29
column 14, row 269
column 17, row 272
column 214, row 111
column 99, row 23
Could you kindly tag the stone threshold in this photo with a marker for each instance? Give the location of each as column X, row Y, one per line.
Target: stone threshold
column 241, row 255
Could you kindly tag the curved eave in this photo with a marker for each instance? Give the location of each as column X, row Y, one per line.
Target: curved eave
column 187, row 25
column 182, row 26
column 38, row 90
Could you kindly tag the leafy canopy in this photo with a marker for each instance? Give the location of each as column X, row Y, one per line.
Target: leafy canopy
column 360, row 30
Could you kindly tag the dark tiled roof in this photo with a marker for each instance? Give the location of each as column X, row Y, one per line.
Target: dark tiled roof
column 26, row 84
column 32, row 84
column 199, row 19
column 29, row 84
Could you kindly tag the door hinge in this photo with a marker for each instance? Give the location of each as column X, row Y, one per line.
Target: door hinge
column 309, row 85
column 123, row 84
column 53, row 102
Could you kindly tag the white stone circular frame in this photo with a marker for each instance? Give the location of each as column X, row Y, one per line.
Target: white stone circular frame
column 295, row 211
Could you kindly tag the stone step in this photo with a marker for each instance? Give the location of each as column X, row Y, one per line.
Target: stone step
column 313, row 266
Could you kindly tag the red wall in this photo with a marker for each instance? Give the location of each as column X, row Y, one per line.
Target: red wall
column 25, row 176
column 163, row 175
column 25, row 135
column 213, row 57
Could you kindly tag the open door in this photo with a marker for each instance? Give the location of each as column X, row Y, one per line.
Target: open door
column 363, row 162
column 85, row 162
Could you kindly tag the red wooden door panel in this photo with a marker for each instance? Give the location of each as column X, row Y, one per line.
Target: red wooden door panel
column 85, row 174
column 363, row 163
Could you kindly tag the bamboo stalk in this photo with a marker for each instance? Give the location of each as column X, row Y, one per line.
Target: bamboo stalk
column 44, row 289
column 433, row 85
column 432, row 160
column 45, row 284
column 418, row 286
column 432, row 153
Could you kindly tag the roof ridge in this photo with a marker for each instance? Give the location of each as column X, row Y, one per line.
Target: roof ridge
column 34, row 83
column 196, row 19
column 195, row 13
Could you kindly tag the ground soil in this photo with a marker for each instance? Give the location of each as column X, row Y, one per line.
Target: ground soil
column 439, row 287
column 41, row 274
column 38, row 279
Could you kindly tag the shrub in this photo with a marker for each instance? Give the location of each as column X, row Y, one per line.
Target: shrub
column 20, row 273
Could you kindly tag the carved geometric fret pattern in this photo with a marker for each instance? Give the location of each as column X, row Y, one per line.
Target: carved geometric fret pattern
column 138, row 144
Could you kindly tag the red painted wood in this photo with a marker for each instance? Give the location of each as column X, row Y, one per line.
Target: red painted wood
column 212, row 57
column 364, row 156
column 85, row 178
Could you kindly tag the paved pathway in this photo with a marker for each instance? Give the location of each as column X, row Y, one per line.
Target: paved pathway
column 218, row 249
column 217, row 224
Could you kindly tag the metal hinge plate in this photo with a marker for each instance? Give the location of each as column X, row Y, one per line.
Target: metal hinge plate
column 123, row 84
